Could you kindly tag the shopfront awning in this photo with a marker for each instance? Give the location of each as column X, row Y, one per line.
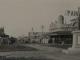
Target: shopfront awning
column 60, row 33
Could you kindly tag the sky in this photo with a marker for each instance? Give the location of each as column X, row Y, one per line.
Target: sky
column 19, row 16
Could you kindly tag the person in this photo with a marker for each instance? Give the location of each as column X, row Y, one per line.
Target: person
column 62, row 43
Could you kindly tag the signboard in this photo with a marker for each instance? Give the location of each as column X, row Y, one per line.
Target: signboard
column 72, row 13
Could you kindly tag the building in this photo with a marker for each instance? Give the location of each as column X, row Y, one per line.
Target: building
column 38, row 37
column 23, row 39
column 61, row 32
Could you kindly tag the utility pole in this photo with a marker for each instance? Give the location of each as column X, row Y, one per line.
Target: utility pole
column 32, row 30
column 42, row 28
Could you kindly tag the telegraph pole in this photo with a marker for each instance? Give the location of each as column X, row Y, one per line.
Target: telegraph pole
column 32, row 30
column 42, row 28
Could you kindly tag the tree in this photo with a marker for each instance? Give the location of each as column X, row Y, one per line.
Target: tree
column 12, row 40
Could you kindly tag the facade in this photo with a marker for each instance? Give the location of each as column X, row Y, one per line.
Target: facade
column 61, row 32
column 38, row 37
column 61, row 26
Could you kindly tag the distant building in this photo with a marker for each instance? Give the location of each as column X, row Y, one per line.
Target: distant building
column 23, row 39
column 38, row 37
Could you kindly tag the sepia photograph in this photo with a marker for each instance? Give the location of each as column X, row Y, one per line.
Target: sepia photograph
column 39, row 29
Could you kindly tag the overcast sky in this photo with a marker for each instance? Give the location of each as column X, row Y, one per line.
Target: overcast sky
column 19, row 16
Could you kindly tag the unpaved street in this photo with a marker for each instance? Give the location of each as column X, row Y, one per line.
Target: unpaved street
column 44, row 51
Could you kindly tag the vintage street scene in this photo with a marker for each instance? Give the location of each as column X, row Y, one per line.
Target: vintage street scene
column 39, row 30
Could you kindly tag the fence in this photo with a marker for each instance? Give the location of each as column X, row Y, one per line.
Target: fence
column 65, row 46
